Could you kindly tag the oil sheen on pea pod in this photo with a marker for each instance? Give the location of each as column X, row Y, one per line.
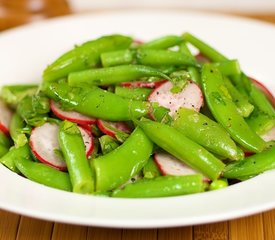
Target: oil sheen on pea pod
column 84, row 56
column 118, row 166
column 225, row 111
column 207, row 133
column 183, row 148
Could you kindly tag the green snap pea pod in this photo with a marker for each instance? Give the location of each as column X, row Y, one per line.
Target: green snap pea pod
column 260, row 122
column 3, row 150
column 225, row 111
column 84, row 56
column 154, row 57
column 204, row 48
column 73, row 149
column 174, row 142
column 252, row 165
column 244, row 107
column 97, row 102
column 13, row 94
column 218, row 184
column 139, row 94
column 193, row 71
column 119, row 57
column 43, row 174
column 256, row 96
column 113, row 75
column 164, row 186
column 108, row 144
column 162, row 43
column 34, row 109
column 229, row 67
column 5, row 140
column 13, row 154
column 151, row 170
column 16, row 126
column 117, row 167
column 207, row 133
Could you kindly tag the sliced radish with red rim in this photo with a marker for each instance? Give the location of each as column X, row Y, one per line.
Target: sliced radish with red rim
column 71, row 115
column 269, row 136
column 190, row 97
column 5, row 117
column 142, row 84
column 169, row 165
column 45, row 147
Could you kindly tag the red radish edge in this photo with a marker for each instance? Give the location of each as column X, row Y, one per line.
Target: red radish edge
column 5, row 118
column 60, row 164
column 120, row 126
column 141, row 84
column 165, row 98
column 71, row 115
column 169, row 165
column 202, row 58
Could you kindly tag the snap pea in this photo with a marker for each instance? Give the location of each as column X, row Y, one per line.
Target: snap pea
column 151, row 170
column 162, row 43
column 5, row 140
column 118, row 166
column 16, row 126
column 225, row 111
column 73, row 150
column 252, row 165
column 164, row 186
column 97, row 102
column 3, row 150
column 207, row 133
column 107, row 144
column 119, row 57
column 113, row 75
column 152, row 57
column 174, row 142
column 13, row 154
column 84, row 56
column 13, row 94
column 229, row 67
column 139, row 94
column 218, row 184
column 43, row 174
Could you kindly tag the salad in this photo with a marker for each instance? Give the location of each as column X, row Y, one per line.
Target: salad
column 123, row 118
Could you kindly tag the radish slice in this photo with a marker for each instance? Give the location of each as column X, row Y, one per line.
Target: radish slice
column 269, row 136
column 201, row 58
column 190, row 97
column 113, row 129
column 141, row 84
column 71, row 115
column 5, row 117
column 169, row 165
column 45, row 146
column 265, row 90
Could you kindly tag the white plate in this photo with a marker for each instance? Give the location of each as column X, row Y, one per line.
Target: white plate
column 26, row 51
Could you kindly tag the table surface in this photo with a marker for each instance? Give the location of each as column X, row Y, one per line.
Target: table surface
column 14, row 226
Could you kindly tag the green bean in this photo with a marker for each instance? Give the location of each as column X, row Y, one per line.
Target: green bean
column 13, row 94
column 113, row 75
column 151, row 170
column 229, row 67
column 13, row 154
column 5, row 140
column 252, row 165
column 162, row 43
column 43, row 174
column 244, row 107
column 16, row 126
column 73, row 149
column 153, row 57
column 84, row 56
column 218, row 184
column 3, row 150
column 225, row 111
column 97, row 102
column 139, row 94
column 207, row 133
column 117, row 167
column 174, row 142
column 162, row 187
column 119, row 57
column 107, row 144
